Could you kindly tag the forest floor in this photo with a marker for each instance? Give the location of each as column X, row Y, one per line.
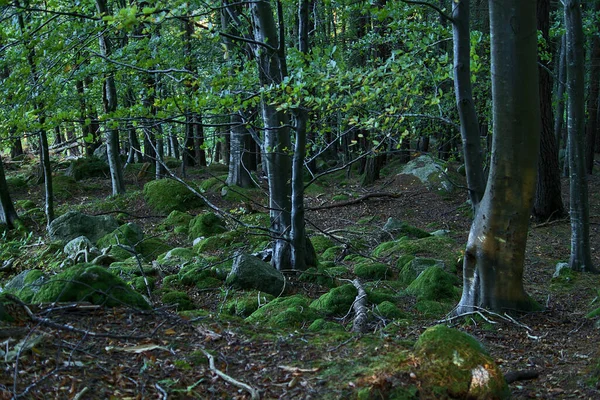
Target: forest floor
column 92, row 352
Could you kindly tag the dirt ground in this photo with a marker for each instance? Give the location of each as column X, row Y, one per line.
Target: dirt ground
column 90, row 352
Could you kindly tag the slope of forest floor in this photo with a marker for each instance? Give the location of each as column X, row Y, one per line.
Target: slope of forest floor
column 86, row 351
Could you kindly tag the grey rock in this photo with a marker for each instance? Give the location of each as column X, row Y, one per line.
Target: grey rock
column 429, row 172
column 249, row 272
column 559, row 267
column 81, row 247
column 74, row 224
column 101, row 153
column 23, row 280
column 440, row 232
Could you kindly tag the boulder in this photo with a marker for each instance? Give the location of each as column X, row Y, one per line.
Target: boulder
column 82, row 247
column 429, row 172
column 26, row 284
column 434, row 284
column 205, row 225
column 167, row 195
column 394, row 229
column 74, row 224
column 410, row 270
column 101, row 153
column 249, row 272
column 88, row 167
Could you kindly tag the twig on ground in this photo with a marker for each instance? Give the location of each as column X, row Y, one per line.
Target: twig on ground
column 211, row 363
column 355, row 201
column 514, row 376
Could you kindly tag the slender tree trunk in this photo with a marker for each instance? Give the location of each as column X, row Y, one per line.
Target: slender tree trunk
column 8, row 215
column 592, row 102
column 469, row 125
column 559, row 117
column 110, row 106
column 579, row 209
column 548, row 203
column 199, row 151
column 495, row 253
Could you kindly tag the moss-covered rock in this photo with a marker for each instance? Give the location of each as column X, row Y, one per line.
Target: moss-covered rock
column 285, row 312
column 250, row 272
column 218, row 243
column 389, row 310
column 128, row 235
column 453, row 364
column 205, row 225
column 321, row 243
column 167, row 195
column 324, row 274
column 373, row 270
column 380, row 291
column 438, row 247
column 63, row 187
column 74, row 224
column 213, row 184
column 337, row 301
column 413, row 268
column 321, row 324
column 151, row 248
column 139, row 283
column 243, row 304
column 434, row 284
column 394, row 228
column 177, row 221
column 26, row 284
column 332, row 253
column 25, row 205
column 88, row 167
column 91, row 283
column 180, row 299
column 130, row 267
column 16, row 181
column 434, row 309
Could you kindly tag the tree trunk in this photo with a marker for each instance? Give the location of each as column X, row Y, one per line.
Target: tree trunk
column 579, row 209
column 239, row 155
column 8, row 215
column 110, row 106
column 592, row 101
column 469, row 125
column 559, row 118
column 495, row 253
column 548, row 203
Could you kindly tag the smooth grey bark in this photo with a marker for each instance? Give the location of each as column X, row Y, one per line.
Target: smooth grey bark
column 239, row 154
column 580, row 259
column 109, row 94
column 469, row 124
column 8, row 214
column 559, row 116
column 495, row 253
column 548, row 203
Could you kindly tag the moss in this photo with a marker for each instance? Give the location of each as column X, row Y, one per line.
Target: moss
column 372, row 270
column 177, row 221
column 257, row 219
column 192, row 274
column 209, row 283
column 85, row 282
column 243, row 304
column 181, row 299
column 439, row 247
column 63, row 187
column 139, row 283
column 331, row 253
column 337, row 301
column 213, row 184
column 205, row 225
column 389, row 310
column 238, row 194
column 167, row 195
column 25, row 204
column 455, row 365
column 321, row 243
column 285, row 312
column 340, row 197
column 26, row 284
column 377, row 294
column 16, row 181
column 218, row 242
column 411, row 270
column 434, row 284
column 88, row 167
column 313, row 190
column 127, row 235
column 434, row 309
column 171, row 282
column 130, row 267
column 321, row 324
column 565, row 278
column 151, row 248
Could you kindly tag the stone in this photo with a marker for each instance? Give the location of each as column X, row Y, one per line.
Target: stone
column 434, row 284
column 26, row 284
column 559, row 267
column 413, row 268
column 101, row 153
column 167, row 195
column 74, row 224
column 205, row 225
column 81, row 248
column 395, row 229
column 429, row 172
column 88, row 167
column 249, row 272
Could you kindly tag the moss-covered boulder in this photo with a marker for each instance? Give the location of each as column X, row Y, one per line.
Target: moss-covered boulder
column 219, row 243
column 434, row 284
column 87, row 167
column 167, row 195
column 249, row 272
column 285, row 312
column 26, row 284
column 413, row 268
column 63, row 187
column 455, row 365
column 177, row 221
column 395, row 228
column 128, row 235
column 430, row 172
column 337, row 301
column 205, row 225
column 91, row 283
column 131, row 267
column 373, row 270
column 151, row 248
column 388, row 310
column 438, row 247
column 332, row 253
column 243, row 304
column 321, row 324
column 180, row 300
column 321, row 243
column 74, row 224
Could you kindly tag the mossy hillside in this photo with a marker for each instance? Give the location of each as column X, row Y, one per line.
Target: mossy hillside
column 167, row 195
column 285, row 312
column 438, row 247
column 453, row 364
column 177, row 221
column 213, row 184
column 338, row 301
column 434, row 284
column 91, row 283
column 373, row 270
column 88, row 167
column 321, row 324
column 64, row 187
column 389, row 310
column 179, row 299
column 129, row 268
column 205, row 225
column 324, row 274
column 243, row 304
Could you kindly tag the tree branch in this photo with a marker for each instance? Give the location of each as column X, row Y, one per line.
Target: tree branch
column 432, row 6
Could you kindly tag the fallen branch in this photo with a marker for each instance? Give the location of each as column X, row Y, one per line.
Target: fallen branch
column 360, row 308
column 211, row 363
column 355, row 201
column 515, row 376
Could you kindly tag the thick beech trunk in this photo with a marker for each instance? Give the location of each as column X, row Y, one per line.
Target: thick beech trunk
column 494, row 257
column 559, row 117
column 592, row 100
column 548, row 203
column 579, row 207
column 8, row 215
column 469, row 125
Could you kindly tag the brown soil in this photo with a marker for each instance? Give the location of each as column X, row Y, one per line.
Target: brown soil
column 91, row 352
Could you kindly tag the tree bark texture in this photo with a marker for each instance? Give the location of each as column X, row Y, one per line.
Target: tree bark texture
column 469, row 125
column 548, row 203
column 579, row 206
column 8, row 215
column 592, row 100
column 495, row 253
column 561, row 87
